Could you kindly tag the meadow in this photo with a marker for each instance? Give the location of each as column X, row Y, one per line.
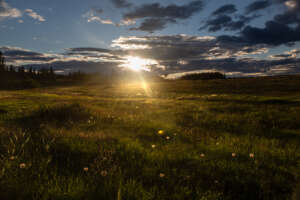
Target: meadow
column 169, row 139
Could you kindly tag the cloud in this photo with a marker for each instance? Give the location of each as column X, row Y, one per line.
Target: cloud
column 217, row 23
column 18, row 56
column 34, row 15
column 227, row 23
column 88, row 49
column 172, row 54
column 152, row 24
column 121, row 3
column 226, row 9
column 283, row 29
column 185, row 52
column 87, row 59
column 92, row 16
column 7, row 12
column 102, row 21
column 257, row 5
column 170, row 11
column 273, row 33
column 156, row 17
column 294, row 53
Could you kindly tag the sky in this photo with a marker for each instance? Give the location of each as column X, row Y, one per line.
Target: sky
column 170, row 38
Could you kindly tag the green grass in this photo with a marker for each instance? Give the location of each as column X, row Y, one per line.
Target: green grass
column 225, row 139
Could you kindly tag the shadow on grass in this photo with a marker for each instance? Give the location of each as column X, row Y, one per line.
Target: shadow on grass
column 256, row 102
column 3, row 111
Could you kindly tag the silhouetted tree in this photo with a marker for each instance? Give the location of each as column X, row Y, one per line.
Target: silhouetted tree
column 30, row 70
column 51, row 71
column 2, row 62
column 11, row 68
column 21, row 70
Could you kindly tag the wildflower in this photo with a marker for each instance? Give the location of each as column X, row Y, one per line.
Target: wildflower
column 202, row 155
column 161, row 175
column 167, row 137
column 85, row 169
column 233, row 154
column 217, row 143
column 103, row 173
column 160, row 132
column 12, row 158
column 251, row 155
column 22, row 165
column 153, row 146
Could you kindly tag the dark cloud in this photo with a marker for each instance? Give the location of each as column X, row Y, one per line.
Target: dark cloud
column 226, row 9
column 171, row 11
column 121, row 3
column 152, row 24
column 156, row 16
column 13, row 54
column 217, row 23
column 257, row 5
column 283, row 29
column 227, row 23
column 273, row 33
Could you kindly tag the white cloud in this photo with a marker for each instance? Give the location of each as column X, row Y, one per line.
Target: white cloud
column 7, row 12
column 92, row 16
column 102, row 21
column 34, row 15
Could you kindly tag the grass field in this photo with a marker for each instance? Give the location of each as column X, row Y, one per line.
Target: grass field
column 205, row 140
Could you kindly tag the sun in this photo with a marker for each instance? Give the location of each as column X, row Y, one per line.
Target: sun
column 138, row 64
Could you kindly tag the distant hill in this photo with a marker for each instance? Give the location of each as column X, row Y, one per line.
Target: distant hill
column 203, row 76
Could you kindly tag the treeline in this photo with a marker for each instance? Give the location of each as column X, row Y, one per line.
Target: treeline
column 12, row 77
column 204, row 76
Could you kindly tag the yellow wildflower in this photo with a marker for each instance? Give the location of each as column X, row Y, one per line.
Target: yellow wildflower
column 160, row 132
